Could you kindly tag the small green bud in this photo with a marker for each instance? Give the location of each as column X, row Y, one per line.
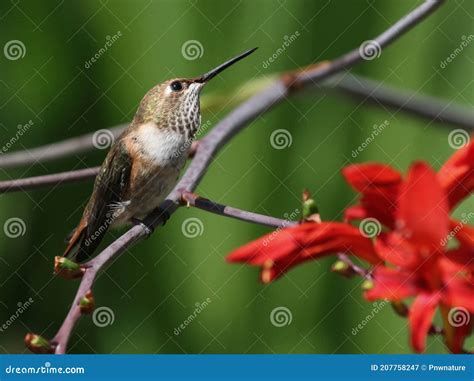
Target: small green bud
column 342, row 268
column 67, row 269
column 87, row 304
column 367, row 285
column 310, row 209
column 38, row 344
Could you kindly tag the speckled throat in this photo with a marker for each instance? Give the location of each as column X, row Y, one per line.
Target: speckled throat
column 178, row 112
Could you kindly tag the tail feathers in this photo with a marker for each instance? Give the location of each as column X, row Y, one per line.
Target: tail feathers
column 68, row 238
column 80, row 246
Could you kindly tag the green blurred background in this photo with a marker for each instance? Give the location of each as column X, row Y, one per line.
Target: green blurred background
column 153, row 288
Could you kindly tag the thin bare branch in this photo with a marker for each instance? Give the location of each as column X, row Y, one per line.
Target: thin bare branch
column 54, row 151
column 191, row 199
column 422, row 106
column 48, row 180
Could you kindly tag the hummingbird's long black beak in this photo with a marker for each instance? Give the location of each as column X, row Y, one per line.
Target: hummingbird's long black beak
column 211, row 74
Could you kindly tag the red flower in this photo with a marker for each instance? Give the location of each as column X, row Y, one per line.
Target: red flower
column 277, row 252
column 411, row 257
column 416, row 248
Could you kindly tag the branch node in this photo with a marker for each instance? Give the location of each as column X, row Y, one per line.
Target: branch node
column 291, row 80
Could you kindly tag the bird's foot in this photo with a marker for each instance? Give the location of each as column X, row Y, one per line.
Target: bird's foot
column 163, row 214
column 148, row 229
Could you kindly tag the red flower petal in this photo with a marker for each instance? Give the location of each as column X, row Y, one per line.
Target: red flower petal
column 463, row 232
column 379, row 185
column 456, row 176
column 421, row 315
column 396, row 250
column 463, row 256
column 277, row 252
column 460, row 294
column 355, row 213
column 371, row 175
column 392, row 284
column 422, row 215
column 460, row 334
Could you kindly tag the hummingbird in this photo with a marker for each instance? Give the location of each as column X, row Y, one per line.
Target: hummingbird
column 143, row 164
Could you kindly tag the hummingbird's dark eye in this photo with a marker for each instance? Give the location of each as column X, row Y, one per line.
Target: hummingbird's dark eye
column 176, row 86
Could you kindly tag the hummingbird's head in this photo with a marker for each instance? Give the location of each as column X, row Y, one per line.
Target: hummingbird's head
column 175, row 103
